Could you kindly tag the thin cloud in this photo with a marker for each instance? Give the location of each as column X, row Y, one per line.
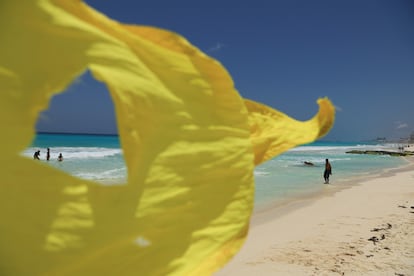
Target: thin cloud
column 43, row 117
column 79, row 80
column 216, row 47
column 400, row 125
column 338, row 108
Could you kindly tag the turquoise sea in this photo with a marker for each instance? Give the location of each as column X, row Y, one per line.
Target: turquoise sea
column 99, row 158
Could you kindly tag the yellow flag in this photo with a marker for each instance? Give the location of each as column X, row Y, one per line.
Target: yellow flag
column 190, row 143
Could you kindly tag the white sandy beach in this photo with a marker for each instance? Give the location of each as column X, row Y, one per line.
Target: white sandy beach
column 366, row 228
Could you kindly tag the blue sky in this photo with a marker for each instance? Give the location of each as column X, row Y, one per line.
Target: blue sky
column 285, row 54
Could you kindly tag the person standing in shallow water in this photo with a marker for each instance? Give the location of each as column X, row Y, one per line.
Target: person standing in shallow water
column 328, row 171
column 36, row 155
column 48, row 154
column 60, row 158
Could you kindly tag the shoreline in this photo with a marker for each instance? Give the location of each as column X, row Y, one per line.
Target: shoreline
column 328, row 232
column 271, row 210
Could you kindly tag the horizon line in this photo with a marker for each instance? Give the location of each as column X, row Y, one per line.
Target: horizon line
column 77, row 133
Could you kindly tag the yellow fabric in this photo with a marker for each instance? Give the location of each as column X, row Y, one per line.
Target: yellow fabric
column 189, row 141
column 272, row 132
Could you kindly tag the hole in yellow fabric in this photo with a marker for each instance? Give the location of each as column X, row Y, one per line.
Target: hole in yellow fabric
column 80, row 124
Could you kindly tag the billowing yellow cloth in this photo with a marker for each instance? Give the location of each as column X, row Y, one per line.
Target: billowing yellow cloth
column 190, row 144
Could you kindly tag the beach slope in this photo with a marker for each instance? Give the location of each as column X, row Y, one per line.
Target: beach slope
column 364, row 229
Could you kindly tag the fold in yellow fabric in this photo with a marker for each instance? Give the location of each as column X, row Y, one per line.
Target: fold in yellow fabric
column 273, row 132
column 190, row 144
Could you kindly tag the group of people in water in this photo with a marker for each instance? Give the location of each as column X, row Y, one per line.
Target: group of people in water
column 327, row 172
column 36, row 155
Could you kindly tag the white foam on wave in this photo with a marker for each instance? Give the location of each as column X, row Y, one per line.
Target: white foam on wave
column 108, row 174
column 260, row 173
column 76, row 152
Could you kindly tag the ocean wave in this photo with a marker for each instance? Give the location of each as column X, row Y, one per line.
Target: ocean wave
column 118, row 173
column 75, row 152
column 260, row 173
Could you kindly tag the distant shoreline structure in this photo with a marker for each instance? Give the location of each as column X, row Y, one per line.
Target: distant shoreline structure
column 402, row 140
column 382, row 152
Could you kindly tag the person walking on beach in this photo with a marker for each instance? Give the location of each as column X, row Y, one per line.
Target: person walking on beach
column 48, row 154
column 327, row 172
column 36, row 155
column 60, row 158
